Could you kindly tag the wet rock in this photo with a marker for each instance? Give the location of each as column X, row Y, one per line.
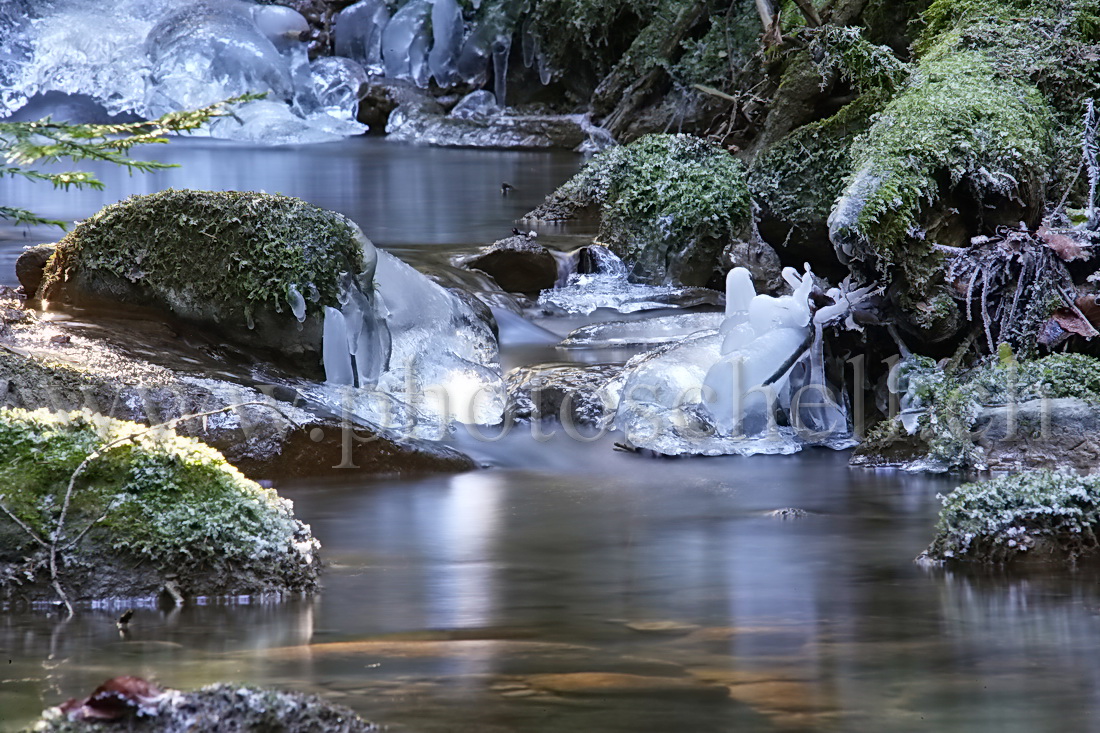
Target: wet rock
column 1054, row 433
column 518, row 264
column 605, row 684
column 567, row 391
column 381, row 97
column 219, row 707
column 759, row 258
column 30, row 266
column 144, row 512
column 231, row 262
column 271, row 431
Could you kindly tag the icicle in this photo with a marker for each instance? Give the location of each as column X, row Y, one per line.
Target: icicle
column 502, row 48
column 335, row 354
column 358, row 33
column 447, row 30
column 297, row 303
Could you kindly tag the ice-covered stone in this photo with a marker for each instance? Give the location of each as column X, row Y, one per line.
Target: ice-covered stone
column 405, row 43
column 358, row 33
column 480, row 104
column 338, row 82
column 646, row 332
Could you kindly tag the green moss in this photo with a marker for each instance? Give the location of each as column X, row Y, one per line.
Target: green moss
column 668, row 204
column 799, row 178
column 864, row 64
column 234, row 251
column 1041, row 512
column 957, row 124
column 170, row 502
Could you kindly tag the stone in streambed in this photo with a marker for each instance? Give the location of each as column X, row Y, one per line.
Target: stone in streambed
column 518, row 264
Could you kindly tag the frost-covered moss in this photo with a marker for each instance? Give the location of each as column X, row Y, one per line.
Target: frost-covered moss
column 957, row 126
column 668, row 204
column 230, row 252
column 949, row 401
column 167, row 507
column 799, row 178
column 1041, row 515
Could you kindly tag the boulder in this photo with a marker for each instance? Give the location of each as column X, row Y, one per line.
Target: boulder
column 257, row 268
column 122, row 511
column 518, row 264
column 31, row 265
column 668, row 205
column 279, row 435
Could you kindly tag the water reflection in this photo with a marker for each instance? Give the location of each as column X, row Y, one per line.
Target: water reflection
column 400, row 195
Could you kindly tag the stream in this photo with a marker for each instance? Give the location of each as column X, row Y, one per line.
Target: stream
column 569, row 586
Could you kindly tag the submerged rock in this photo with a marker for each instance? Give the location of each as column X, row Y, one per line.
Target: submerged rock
column 240, row 263
column 518, row 264
column 668, row 205
column 1041, row 516
column 574, row 393
column 148, row 511
column 141, row 706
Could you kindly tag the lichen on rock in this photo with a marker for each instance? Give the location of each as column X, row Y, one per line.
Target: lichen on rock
column 149, row 509
column 668, row 204
column 1038, row 516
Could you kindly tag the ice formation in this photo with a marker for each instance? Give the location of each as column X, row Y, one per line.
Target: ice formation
column 358, row 33
column 337, row 82
column 480, row 104
column 755, row 385
column 149, row 57
column 646, row 332
column 407, row 354
column 610, row 287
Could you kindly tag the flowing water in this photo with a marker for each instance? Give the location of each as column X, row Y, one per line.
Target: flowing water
column 572, row 587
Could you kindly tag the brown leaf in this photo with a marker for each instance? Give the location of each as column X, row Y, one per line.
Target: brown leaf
column 115, row 699
column 1067, row 248
column 1073, row 321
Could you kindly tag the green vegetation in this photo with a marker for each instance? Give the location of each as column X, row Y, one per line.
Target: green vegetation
column 169, row 503
column 952, row 399
column 668, row 204
column 28, row 143
column 222, row 253
column 1042, row 515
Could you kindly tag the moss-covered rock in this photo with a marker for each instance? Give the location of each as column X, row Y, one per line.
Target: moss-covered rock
column 150, row 510
column 668, row 204
column 240, row 262
column 1001, row 414
column 1038, row 516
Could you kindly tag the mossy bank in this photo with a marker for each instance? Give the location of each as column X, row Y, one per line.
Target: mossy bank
column 149, row 512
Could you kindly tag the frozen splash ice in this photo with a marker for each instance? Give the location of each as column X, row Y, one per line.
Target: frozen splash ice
column 337, row 82
column 756, row 385
column 610, row 287
column 150, row 57
column 406, row 354
column 447, row 31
